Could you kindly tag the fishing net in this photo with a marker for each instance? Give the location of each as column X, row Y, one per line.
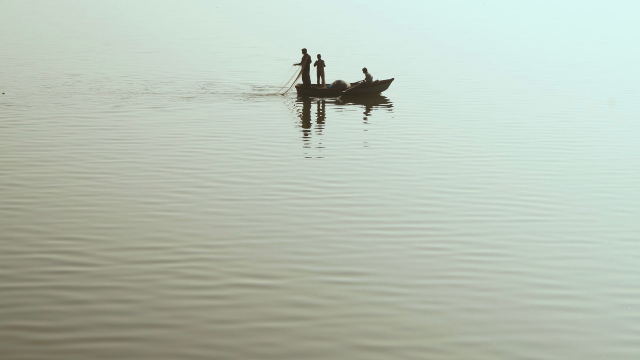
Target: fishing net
column 291, row 84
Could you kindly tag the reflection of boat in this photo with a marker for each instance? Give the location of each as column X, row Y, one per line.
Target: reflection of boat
column 358, row 88
column 369, row 102
column 312, row 123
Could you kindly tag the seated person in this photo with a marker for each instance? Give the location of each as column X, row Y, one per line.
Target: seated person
column 368, row 79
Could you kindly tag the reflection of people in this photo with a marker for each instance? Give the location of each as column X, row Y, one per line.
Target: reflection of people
column 305, row 116
column 321, row 112
column 367, row 110
column 309, row 110
column 305, row 62
column 319, row 64
column 368, row 79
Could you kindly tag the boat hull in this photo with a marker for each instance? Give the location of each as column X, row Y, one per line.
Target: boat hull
column 356, row 89
column 317, row 91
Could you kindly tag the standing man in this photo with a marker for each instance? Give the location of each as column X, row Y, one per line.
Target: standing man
column 305, row 62
column 319, row 64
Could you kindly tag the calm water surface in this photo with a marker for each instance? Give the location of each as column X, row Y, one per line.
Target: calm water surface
column 157, row 201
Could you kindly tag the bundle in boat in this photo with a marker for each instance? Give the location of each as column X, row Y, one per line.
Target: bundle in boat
column 339, row 85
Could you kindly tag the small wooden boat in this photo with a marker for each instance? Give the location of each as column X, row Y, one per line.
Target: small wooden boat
column 358, row 88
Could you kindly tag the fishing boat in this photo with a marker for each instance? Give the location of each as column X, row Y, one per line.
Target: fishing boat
column 359, row 88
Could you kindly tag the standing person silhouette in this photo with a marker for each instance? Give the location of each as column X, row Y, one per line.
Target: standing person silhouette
column 319, row 64
column 305, row 62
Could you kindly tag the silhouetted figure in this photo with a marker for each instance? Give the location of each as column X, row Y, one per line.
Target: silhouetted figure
column 305, row 62
column 319, row 64
column 368, row 79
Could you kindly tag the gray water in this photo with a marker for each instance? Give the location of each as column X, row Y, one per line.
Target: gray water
column 157, row 201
